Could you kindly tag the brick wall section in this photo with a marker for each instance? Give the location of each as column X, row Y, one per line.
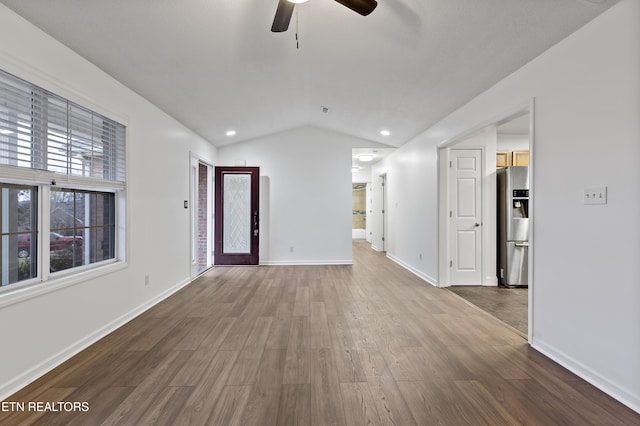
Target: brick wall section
column 202, row 216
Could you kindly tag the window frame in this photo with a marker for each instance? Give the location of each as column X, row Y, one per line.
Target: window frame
column 46, row 281
column 34, row 224
column 115, row 226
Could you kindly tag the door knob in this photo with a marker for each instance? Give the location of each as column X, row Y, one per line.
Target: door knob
column 476, row 224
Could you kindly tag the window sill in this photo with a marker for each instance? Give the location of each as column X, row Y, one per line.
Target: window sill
column 11, row 296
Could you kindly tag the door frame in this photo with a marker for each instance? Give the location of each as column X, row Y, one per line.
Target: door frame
column 193, row 205
column 527, row 107
column 252, row 258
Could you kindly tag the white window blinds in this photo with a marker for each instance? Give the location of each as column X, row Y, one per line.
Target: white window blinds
column 40, row 130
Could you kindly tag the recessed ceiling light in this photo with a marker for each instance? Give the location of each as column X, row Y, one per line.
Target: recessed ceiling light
column 354, row 169
column 297, row 1
column 385, row 132
column 231, row 133
column 365, row 157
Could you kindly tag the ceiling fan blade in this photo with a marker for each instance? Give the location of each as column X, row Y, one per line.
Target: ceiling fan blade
column 283, row 16
column 363, row 7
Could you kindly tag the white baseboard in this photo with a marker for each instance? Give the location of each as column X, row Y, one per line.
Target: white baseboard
column 304, row 262
column 623, row 395
column 23, row 379
column 375, row 247
column 414, row 271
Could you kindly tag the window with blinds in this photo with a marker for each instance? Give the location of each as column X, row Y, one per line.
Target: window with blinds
column 41, row 130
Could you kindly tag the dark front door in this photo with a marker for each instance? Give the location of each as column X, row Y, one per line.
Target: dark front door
column 236, row 215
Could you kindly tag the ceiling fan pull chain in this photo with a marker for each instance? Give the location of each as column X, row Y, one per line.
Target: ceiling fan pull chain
column 297, row 42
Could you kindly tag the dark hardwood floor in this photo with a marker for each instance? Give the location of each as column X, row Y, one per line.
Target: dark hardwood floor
column 316, row 345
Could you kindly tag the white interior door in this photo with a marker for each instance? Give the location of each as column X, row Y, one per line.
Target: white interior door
column 465, row 227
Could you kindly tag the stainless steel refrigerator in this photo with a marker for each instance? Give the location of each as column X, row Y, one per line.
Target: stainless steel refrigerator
column 513, row 226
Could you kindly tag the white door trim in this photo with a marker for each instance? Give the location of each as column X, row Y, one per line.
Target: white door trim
column 195, row 161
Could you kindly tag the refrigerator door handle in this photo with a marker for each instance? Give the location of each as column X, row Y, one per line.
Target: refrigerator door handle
column 522, row 244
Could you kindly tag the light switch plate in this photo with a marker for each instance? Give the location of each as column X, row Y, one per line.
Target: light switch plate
column 595, row 195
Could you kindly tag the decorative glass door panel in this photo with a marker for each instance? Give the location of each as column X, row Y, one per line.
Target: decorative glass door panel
column 236, row 214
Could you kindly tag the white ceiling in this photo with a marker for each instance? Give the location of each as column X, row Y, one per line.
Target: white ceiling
column 378, row 155
column 214, row 64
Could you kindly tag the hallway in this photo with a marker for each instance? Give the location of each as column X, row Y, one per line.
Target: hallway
column 316, row 345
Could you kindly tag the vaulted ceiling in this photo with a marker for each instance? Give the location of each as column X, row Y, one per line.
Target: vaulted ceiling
column 214, row 64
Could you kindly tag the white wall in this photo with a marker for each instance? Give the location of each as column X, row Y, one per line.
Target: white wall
column 586, row 297
column 361, row 176
column 307, row 203
column 412, row 208
column 42, row 331
column 513, row 142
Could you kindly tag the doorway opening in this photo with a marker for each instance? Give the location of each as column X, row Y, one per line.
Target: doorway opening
column 368, row 219
column 359, row 210
column 507, row 145
column 204, row 219
column 201, row 209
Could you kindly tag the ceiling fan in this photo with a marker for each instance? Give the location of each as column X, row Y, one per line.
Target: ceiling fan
column 285, row 10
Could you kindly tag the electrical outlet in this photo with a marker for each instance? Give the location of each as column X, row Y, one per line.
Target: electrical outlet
column 595, row 195
column 291, row 249
column 146, row 280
